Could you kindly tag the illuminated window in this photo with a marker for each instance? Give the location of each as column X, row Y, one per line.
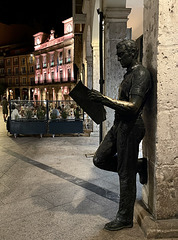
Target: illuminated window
column 68, row 59
column 61, row 75
column 44, row 61
column 52, row 76
column 45, row 78
column 69, row 28
column 31, row 59
column 52, row 59
column 37, row 63
column 38, row 78
column 38, row 41
column 60, row 58
column 69, row 74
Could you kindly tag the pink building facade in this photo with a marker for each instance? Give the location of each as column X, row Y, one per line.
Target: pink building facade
column 54, row 64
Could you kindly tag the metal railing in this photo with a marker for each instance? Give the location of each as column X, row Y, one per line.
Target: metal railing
column 68, row 110
column 45, row 110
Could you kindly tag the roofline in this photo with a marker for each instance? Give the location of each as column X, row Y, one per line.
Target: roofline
column 67, row 20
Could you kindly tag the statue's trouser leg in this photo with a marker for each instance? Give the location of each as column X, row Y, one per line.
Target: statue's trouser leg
column 105, row 157
column 128, row 150
column 127, row 200
column 124, row 141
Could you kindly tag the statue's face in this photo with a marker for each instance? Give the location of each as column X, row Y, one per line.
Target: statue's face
column 124, row 56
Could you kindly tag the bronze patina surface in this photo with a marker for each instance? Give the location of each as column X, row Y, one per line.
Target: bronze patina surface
column 118, row 152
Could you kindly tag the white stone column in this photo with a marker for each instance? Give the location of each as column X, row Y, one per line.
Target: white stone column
column 7, row 94
column 43, row 94
column 96, row 70
column 160, row 195
column 96, row 75
column 115, row 29
column 89, row 72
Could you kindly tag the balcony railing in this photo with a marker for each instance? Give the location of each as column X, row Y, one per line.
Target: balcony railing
column 55, row 81
column 38, row 66
column 52, row 64
column 68, row 60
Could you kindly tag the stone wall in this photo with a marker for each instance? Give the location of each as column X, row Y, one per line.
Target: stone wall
column 161, row 112
column 150, row 111
column 167, row 115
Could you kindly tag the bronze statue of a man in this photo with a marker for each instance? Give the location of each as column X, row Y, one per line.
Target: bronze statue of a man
column 118, row 152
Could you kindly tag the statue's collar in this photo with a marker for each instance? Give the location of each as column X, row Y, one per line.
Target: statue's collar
column 130, row 69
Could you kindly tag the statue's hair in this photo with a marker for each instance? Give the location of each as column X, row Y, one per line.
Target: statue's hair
column 130, row 45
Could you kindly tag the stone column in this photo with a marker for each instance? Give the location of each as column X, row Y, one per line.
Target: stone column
column 96, row 75
column 29, row 95
column 96, row 70
column 43, row 94
column 89, row 64
column 160, row 195
column 7, row 94
column 115, row 29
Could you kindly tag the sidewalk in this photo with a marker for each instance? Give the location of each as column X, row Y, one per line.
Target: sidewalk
column 49, row 190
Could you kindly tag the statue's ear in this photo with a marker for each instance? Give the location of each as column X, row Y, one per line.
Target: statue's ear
column 133, row 52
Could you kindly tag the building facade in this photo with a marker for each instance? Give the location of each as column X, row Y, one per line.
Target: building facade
column 2, row 70
column 20, row 76
column 54, row 64
column 17, row 71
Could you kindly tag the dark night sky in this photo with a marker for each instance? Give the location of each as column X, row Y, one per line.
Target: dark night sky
column 19, row 22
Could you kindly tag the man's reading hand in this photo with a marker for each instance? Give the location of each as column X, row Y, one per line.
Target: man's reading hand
column 95, row 96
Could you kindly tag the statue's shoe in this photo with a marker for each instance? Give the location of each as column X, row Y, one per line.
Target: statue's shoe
column 117, row 225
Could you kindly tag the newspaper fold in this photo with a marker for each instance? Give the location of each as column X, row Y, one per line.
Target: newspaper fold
column 95, row 110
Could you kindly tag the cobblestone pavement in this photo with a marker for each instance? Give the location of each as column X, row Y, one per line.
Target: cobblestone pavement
column 50, row 190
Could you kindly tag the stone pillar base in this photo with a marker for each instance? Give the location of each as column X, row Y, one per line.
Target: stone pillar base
column 152, row 228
